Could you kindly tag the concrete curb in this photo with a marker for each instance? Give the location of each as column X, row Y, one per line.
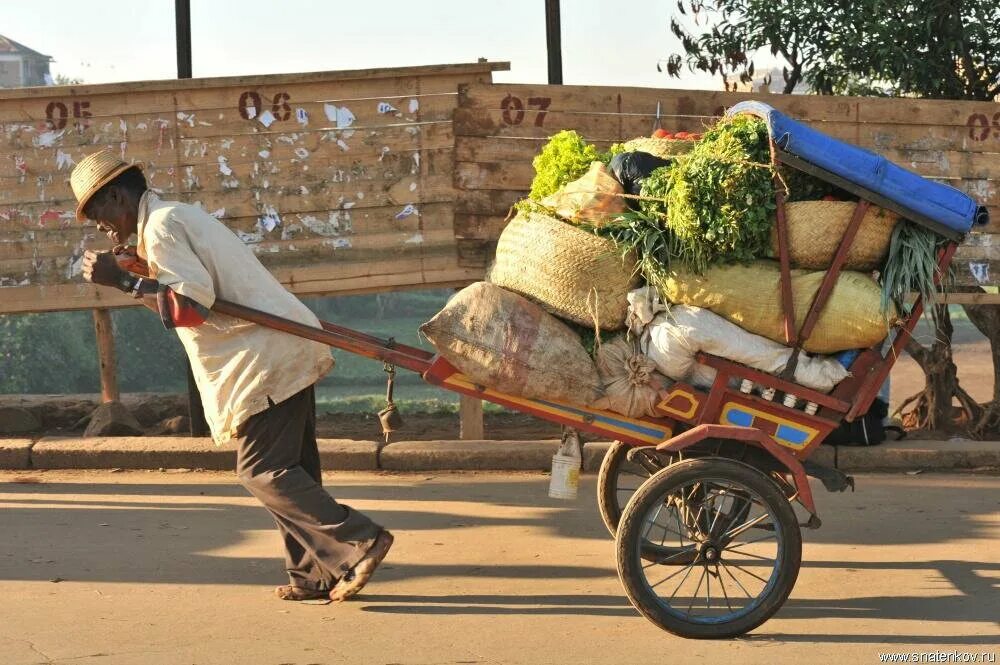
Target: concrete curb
column 469, row 455
column 339, row 454
column 15, row 453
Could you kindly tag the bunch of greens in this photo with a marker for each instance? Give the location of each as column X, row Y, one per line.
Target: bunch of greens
column 800, row 186
column 719, row 197
column 911, row 266
column 564, row 158
column 641, row 236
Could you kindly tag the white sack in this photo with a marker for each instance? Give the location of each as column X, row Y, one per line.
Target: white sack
column 631, row 382
column 675, row 336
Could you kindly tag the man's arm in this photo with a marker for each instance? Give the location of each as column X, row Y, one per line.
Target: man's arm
column 174, row 310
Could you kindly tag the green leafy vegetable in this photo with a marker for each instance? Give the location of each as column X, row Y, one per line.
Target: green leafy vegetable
column 911, row 266
column 564, row 158
column 720, row 196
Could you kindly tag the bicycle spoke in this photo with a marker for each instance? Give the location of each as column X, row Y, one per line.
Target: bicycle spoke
column 738, row 583
column 722, row 584
column 735, row 531
column 704, row 570
column 660, row 562
column 684, row 579
column 736, row 565
column 674, row 574
column 753, row 556
column 751, row 542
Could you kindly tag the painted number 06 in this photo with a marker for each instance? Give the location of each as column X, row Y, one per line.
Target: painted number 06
column 512, row 109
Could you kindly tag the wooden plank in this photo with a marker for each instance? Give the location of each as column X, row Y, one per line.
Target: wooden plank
column 675, row 103
column 462, row 70
column 104, row 331
column 470, row 416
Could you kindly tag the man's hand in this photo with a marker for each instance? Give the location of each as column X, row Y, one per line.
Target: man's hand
column 102, row 268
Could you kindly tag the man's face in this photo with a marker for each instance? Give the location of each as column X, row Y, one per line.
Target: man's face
column 114, row 214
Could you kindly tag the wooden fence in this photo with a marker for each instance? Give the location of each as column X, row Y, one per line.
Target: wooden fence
column 499, row 128
column 341, row 181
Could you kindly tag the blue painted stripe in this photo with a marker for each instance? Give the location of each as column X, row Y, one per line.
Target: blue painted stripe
column 598, row 418
column 791, row 435
column 739, row 418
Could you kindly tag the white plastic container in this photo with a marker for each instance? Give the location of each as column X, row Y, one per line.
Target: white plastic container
column 565, row 479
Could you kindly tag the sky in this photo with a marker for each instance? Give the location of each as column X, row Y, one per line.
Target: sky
column 605, row 42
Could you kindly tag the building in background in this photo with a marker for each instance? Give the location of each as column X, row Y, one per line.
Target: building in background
column 21, row 66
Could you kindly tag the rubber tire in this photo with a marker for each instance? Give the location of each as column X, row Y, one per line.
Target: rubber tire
column 629, row 566
column 607, row 492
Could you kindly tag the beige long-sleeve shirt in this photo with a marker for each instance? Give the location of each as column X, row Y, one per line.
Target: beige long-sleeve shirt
column 237, row 365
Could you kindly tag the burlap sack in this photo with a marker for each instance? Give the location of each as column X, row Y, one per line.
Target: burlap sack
column 595, row 198
column 570, row 272
column 815, row 229
column 503, row 341
column 631, row 382
column 749, row 296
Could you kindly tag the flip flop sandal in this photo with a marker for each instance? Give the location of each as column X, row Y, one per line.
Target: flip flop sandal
column 356, row 578
column 289, row 592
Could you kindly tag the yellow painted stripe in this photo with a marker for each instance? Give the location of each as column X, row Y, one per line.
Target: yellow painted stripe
column 459, row 380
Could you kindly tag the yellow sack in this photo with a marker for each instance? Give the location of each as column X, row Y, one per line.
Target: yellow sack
column 750, row 297
column 596, row 197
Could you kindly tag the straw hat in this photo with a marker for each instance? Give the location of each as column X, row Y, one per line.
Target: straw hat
column 93, row 172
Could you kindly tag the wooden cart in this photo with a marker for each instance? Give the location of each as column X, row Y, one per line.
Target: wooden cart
column 701, row 500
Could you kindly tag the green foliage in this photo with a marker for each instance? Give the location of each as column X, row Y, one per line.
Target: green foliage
column 564, row 158
column 720, row 196
column 56, row 353
column 935, row 48
column 800, row 186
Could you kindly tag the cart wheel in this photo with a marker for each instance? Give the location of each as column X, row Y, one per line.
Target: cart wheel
column 618, row 479
column 726, row 548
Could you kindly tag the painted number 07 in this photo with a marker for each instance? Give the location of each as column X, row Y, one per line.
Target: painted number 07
column 512, row 109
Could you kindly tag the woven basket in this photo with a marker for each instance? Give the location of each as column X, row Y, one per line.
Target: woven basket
column 663, row 148
column 570, row 272
column 815, row 229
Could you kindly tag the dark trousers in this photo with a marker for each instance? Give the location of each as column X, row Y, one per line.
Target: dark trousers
column 277, row 460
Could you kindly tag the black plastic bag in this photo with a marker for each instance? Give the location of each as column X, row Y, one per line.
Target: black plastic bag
column 868, row 430
column 631, row 168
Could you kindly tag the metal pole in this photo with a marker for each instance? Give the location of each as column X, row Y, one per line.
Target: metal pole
column 182, row 13
column 553, row 40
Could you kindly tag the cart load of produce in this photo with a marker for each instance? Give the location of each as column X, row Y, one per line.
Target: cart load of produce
column 572, row 308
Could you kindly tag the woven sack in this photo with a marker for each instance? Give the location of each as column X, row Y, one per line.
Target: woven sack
column 573, row 274
column 815, row 229
column 749, row 296
column 503, row 341
column 596, row 197
column 631, row 382
column 664, row 148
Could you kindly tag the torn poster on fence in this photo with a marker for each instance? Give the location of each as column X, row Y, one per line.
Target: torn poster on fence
column 410, row 209
column 386, row 107
column 341, row 116
column 266, row 118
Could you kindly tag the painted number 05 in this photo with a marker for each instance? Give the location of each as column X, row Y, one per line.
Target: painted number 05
column 980, row 126
column 512, row 109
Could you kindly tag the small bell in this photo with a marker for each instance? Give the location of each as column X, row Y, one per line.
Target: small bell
column 389, row 416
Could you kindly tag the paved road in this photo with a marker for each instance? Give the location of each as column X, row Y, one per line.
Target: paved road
column 160, row 568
